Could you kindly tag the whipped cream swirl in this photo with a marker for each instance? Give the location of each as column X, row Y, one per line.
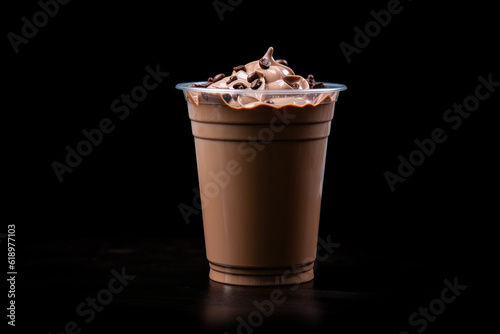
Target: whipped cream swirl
column 257, row 78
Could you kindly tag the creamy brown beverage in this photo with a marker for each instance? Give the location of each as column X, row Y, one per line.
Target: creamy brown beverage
column 261, row 138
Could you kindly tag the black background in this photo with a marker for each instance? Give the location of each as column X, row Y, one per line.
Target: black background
column 129, row 188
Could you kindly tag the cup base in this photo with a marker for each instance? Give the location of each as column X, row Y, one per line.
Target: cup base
column 261, row 277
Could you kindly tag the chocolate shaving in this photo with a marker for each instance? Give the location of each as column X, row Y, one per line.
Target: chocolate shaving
column 239, row 68
column 231, row 79
column 204, row 85
column 252, row 76
column 318, row 85
column 256, row 84
column 219, row 76
column 239, row 85
column 264, row 63
column 282, row 62
column 310, row 79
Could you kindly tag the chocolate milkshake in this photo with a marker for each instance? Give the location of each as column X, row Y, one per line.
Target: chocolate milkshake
column 261, row 138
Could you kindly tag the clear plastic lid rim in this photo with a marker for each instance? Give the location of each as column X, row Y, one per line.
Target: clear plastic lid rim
column 329, row 88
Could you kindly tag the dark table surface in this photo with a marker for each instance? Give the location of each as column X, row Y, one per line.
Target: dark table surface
column 164, row 287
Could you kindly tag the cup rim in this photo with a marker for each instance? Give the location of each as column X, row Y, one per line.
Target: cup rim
column 329, row 88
